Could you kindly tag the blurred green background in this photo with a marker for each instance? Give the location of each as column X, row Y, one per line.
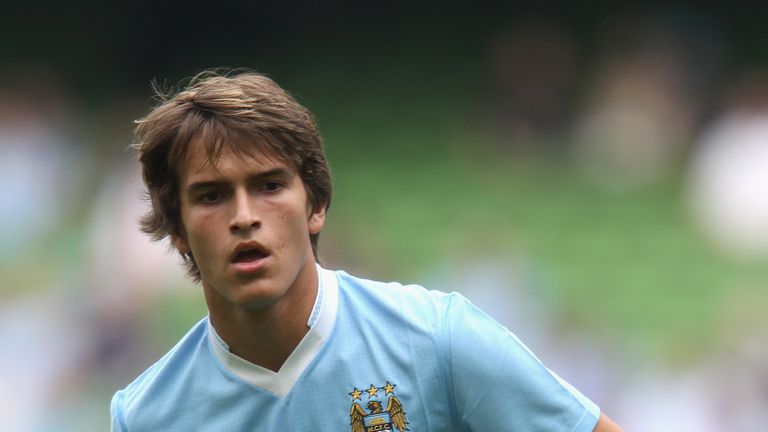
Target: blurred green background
column 594, row 177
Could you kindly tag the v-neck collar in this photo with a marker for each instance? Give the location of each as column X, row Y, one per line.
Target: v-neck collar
column 281, row 382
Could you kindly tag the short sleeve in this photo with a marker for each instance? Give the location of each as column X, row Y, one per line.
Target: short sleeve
column 499, row 384
column 116, row 414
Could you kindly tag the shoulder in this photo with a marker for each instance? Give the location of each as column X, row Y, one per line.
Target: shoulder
column 403, row 308
column 159, row 382
column 395, row 296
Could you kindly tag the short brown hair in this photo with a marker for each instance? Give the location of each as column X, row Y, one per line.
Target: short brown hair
column 243, row 110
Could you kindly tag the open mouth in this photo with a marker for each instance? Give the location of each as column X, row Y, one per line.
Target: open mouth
column 246, row 253
column 249, row 255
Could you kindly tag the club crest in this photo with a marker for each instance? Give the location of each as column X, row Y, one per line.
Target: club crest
column 374, row 417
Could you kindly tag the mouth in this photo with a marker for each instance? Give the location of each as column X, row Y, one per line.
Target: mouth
column 249, row 256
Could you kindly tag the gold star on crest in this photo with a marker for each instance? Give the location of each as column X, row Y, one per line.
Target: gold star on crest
column 372, row 391
column 389, row 388
column 355, row 394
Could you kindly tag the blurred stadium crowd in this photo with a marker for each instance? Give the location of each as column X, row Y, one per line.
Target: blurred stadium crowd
column 88, row 301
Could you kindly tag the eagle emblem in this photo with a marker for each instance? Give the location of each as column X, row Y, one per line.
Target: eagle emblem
column 377, row 418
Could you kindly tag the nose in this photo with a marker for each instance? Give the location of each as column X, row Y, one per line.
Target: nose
column 244, row 215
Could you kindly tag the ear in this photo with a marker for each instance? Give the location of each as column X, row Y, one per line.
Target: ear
column 181, row 244
column 317, row 219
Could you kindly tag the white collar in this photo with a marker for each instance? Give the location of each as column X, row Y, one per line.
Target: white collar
column 281, row 382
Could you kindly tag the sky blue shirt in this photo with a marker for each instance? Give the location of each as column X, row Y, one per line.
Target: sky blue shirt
column 377, row 357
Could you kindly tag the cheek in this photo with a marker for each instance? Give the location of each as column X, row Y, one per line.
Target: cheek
column 293, row 226
column 200, row 228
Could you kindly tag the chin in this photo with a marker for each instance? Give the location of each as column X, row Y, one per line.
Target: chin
column 257, row 294
column 237, row 294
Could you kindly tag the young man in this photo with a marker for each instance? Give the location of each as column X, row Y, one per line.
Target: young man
column 238, row 180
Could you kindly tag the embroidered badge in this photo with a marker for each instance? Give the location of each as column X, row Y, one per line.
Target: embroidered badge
column 377, row 418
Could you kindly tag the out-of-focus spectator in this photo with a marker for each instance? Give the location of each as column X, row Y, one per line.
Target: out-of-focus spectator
column 124, row 263
column 44, row 343
column 728, row 187
column 643, row 106
column 127, row 272
column 740, row 362
column 535, row 78
column 38, row 161
column 659, row 399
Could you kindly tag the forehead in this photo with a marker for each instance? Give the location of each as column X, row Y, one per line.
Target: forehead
column 220, row 158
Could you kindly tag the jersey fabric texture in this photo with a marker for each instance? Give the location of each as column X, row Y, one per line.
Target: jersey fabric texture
column 377, row 357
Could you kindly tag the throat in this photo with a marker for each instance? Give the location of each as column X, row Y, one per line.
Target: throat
column 266, row 334
column 265, row 337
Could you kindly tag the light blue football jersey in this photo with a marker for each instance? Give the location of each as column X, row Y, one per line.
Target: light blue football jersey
column 377, row 357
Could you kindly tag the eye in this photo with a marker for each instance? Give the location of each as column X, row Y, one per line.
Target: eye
column 272, row 186
column 209, row 197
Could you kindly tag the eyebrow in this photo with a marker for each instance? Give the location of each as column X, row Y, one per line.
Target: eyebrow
column 206, row 184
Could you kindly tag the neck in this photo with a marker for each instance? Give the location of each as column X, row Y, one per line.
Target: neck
column 266, row 336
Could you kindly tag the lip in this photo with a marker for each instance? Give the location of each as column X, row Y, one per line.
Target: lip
column 250, row 266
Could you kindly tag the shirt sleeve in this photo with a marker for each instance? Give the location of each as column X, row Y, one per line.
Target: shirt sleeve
column 499, row 384
column 116, row 414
